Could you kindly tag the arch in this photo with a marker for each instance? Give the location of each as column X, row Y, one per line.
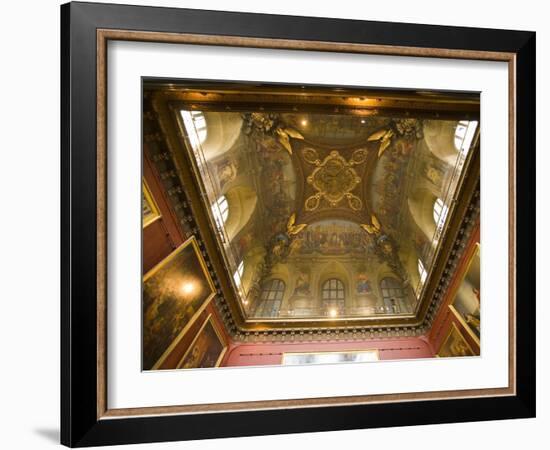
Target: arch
column 421, row 206
column 195, row 125
column 439, row 136
column 409, row 258
column 241, row 202
column 253, row 266
column 220, row 211
column 333, row 297
column 464, row 135
column 223, row 131
column 422, row 275
column 213, row 132
column 334, row 269
column 394, row 295
column 440, row 211
column 238, row 274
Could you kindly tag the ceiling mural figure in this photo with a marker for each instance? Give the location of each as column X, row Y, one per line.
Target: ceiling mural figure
column 272, row 126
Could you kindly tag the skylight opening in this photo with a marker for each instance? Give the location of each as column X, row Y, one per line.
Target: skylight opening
column 464, row 134
column 440, row 211
column 422, row 272
column 220, row 211
column 237, row 276
column 195, row 126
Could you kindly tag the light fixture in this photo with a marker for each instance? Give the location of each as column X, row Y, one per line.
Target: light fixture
column 363, row 120
column 332, row 312
column 304, row 122
column 188, row 287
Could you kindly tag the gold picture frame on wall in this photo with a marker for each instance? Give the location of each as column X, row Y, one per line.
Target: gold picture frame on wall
column 468, row 314
column 207, row 348
column 149, row 209
column 180, row 286
column 455, row 345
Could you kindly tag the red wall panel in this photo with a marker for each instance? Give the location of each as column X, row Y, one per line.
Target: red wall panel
column 260, row 354
column 156, row 244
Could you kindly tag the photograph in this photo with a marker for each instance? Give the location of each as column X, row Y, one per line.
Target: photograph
column 316, row 212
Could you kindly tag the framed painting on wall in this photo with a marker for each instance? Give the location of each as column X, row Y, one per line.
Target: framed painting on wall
column 207, row 349
column 150, row 210
column 175, row 292
column 466, row 305
column 455, row 345
column 320, row 190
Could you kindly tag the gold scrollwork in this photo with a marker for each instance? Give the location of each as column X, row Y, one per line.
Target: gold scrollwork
column 312, row 202
column 359, row 156
column 354, row 202
column 334, row 178
column 311, row 156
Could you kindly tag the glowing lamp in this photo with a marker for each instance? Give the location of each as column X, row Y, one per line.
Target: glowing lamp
column 188, row 287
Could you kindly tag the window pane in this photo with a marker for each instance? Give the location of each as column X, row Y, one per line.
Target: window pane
column 272, row 295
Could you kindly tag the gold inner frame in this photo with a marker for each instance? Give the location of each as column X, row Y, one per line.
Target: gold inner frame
column 103, row 36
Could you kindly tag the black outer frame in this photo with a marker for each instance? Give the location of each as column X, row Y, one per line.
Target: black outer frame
column 79, row 423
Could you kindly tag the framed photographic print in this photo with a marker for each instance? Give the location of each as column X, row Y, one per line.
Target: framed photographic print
column 293, row 200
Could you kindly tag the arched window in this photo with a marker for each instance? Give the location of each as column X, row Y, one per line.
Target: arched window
column 195, row 126
column 333, row 297
column 220, row 210
column 464, row 135
column 422, row 272
column 238, row 275
column 271, row 298
column 393, row 295
column 440, row 211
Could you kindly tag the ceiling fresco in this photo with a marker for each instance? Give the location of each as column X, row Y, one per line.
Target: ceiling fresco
column 326, row 216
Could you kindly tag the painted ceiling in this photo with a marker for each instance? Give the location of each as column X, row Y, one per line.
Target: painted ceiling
column 325, row 216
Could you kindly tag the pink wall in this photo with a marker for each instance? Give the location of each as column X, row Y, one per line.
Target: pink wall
column 272, row 353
